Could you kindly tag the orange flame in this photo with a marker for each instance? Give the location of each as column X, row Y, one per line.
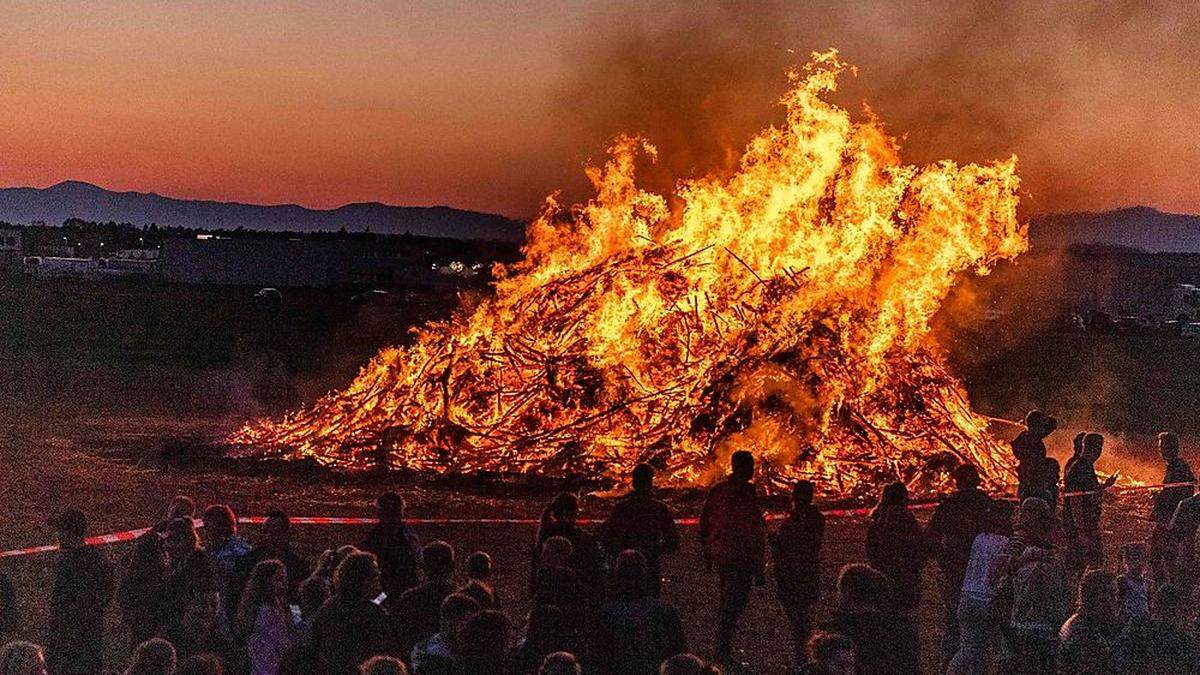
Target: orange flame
column 784, row 309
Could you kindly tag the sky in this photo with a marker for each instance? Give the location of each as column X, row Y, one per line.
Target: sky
column 493, row 105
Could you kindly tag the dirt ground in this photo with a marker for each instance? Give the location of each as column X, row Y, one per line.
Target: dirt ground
column 113, row 469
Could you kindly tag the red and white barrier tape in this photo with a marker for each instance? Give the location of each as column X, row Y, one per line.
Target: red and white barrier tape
column 130, row 535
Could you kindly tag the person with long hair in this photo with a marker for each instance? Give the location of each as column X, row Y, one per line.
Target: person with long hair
column 350, row 628
column 155, row 656
column 264, row 619
column 896, row 545
column 559, row 519
column 140, row 591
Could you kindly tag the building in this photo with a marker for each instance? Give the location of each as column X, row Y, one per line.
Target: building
column 11, row 250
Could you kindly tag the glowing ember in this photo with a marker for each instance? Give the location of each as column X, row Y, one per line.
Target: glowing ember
column 784, row 309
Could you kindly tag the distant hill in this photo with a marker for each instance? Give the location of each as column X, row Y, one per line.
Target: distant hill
column 74, row 199
column 1138, row 227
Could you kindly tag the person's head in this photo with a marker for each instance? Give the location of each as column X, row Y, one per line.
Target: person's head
column 149, row 553
column 1035, row 521
column 1034, row 420
column 357, row 576
column 200, row 664
column 219, row 523
column 556, row 551
column 71, row 527
column 742, row 465
column 22, row 658
column 998, row 518
column 643, row 478
column 181, row 506
column 802, row 494
column 564, row 508
column 180, row 538
column 685, row 664
column 831, row 654
column 1049, row 426
column 313, row 591
column 484, row 640
column 454, row 612
column 437, row 560
column 560, row 663
column 1168, row 445
column 482, row 593
column 277, row 530
column 201, row 611
column 268, row 585
column 390, row 506
column 382, row 665
column 479, row 566
column 966, row 477
column 631, row 575
column 1098, row 594
column 155, row 656
column 1093, row 445
column 893, row 495
column 861, row 587
column 1133, row 558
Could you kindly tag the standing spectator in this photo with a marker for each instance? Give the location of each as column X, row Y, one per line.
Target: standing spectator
column 9, row 618
column 544, row 635
column 1082, row 510
column 1133, row 588
column 437, row 654
column 885, row 641
column 22, row 658
column 276, row 544
column 796, row 550
column 830, row 654
column 637, row 630
column 189, row 572
column 733, row 538
column 484, row 644
column 951, row 533
column 478, row 569
column 264, row 619
column 383, row 665
column 559, row 520
column 977, row 625
column 225, row 548
column 416, row 612
column 1181, row 565
column 1161, row 644
column 1088, row 640
column 202, row 631
column 350, row 628
column 141, row 589
column 560, row 663
column 155, row 656
column 1035, row 582
column 1162, row 544
column 642, row 523
column 83, row 589
column 395, row 546
column 896, row 545
column 559, row 586
column 1029, row 447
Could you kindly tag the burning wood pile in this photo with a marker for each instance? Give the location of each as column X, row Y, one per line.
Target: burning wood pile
column 782, row 309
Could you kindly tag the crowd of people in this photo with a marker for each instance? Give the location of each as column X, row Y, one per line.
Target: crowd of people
column 1025, row 587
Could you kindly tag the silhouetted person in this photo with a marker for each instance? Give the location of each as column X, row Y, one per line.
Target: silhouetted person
column 155, row 656
column 977, row 620
column 1088, row 640
column 952, row 529
column 484, row 644
column 275, row 544
column 1162, row 544
column 22, row 658
column 687, row 664
column 226, row 548
column 199, row 664
column 559, row 520
column 885, row 641
column 642, row 523
column 733, row 537
column 436, row 654
column 559, row 586
column 382, row 665
column 1162, row 643
column 141, row 588
column 82, row 591
column 544, row 635
column 189, row 571
column 180, row 506
column 1082, row 510
column 1037, row 589
column 264, row 621
column 201, row 631
column 796, row 551
column 830, row 654
column 896, row 545
column 350, row 628
column 1029, row 447
column 395, row 546
column 1133, row 585
column 637, row 630
column 416, row 612
column 478, row 568
column 560, row 663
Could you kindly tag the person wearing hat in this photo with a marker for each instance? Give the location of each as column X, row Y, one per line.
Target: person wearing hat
column 83, row 588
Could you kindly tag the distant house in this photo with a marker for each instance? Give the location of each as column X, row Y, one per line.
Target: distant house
column 10, row 248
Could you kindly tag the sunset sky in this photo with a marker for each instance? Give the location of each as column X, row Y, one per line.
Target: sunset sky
column 492, row 105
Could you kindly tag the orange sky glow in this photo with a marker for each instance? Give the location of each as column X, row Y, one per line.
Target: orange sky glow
column 493, row 105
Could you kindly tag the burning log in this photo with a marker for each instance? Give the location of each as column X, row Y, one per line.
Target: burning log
column 783, row 309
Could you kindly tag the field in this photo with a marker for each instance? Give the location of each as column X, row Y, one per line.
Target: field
column 107, row 385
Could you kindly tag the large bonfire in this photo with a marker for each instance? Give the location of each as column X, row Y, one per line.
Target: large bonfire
column 783, row 309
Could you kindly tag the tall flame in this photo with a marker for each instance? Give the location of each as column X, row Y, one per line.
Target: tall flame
column 784, row 309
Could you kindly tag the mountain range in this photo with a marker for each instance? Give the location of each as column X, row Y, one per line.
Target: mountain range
column 74, row 199
column 1139, row 227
